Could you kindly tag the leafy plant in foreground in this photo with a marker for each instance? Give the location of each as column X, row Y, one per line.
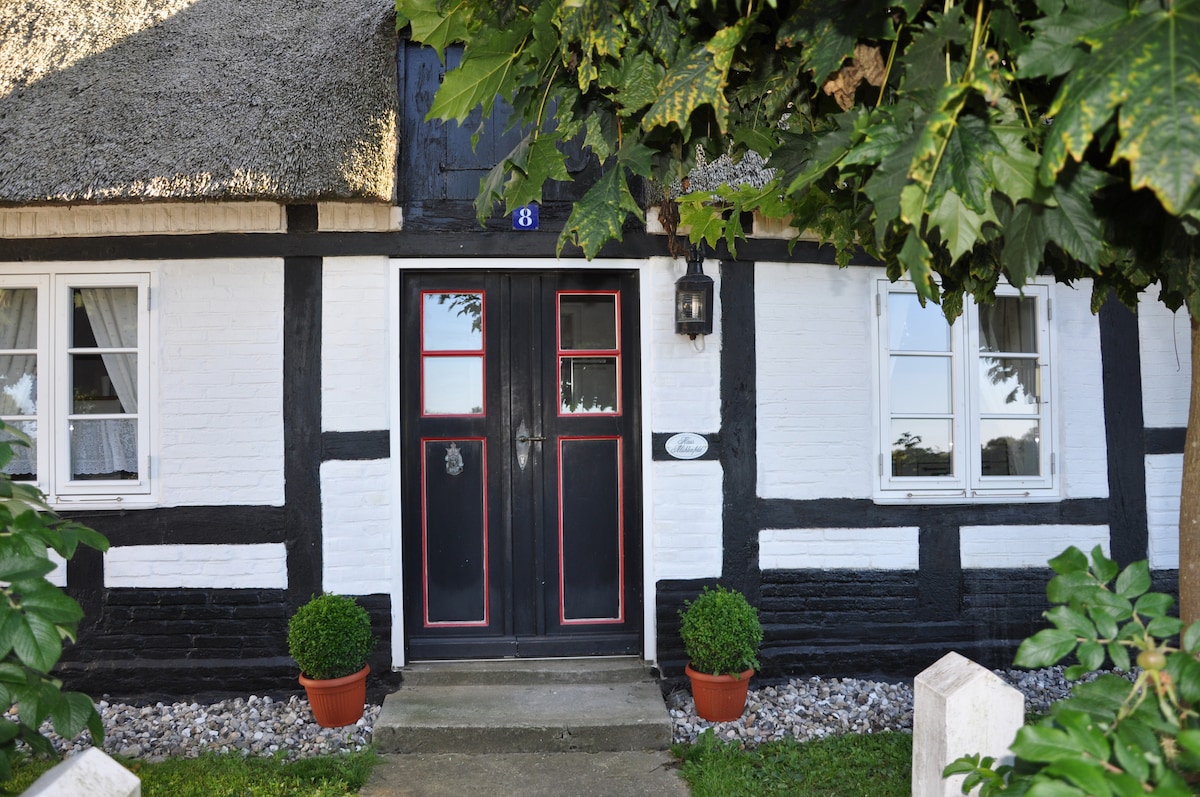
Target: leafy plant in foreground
column 1113, row 736
column 36, row 616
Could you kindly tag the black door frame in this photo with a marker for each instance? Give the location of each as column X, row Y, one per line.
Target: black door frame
column 529, row 572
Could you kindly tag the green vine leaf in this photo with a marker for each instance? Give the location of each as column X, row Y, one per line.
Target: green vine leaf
column 1145, row 67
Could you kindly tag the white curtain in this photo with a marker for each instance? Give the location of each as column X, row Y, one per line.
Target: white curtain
column 18, row 372
column 108, row 446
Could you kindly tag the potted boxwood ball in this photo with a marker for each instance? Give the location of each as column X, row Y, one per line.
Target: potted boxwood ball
column 330, row 639
column 721, row 637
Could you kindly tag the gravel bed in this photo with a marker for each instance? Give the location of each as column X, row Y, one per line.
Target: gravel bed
column 804, row 709
column 813, row 708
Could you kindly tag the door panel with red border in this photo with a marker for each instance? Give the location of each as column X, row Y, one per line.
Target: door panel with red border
column 519, row 401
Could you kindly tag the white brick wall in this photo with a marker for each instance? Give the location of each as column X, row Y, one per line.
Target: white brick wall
column 359, row 529
column 832, row 549
column 1166, row 367
column 815, row 386
column 358, row 347
column 685, row 388
column 687, row 519
column 220, row 382
column 1083, row 459
column 57, row 576
column 1164, row 475
column 1025, row 546
column 257, row 566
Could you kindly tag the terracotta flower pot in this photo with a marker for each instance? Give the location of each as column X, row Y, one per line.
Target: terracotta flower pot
column 338, row 701
column 719, row 698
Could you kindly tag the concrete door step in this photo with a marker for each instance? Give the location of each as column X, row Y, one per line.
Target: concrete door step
column 540, row 712
column 616, row 669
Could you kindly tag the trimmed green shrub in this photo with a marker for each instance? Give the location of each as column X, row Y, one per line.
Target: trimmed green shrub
column 330, row 637
column 720, row 631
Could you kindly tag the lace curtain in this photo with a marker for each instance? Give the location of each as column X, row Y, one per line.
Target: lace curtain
column 109, row 446
column 18, row 372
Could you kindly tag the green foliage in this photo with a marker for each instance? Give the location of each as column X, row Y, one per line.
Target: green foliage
column 234, row 774
column 720, row 631
column 959, row 141
column 36, row 616
column 330, row 637
column 1113, row 736
column 872, row 765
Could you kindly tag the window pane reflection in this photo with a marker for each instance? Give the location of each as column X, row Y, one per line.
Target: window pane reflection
column 1012, row 447
column 95, row 379
column 912, row 327
column 587, row 322
column 922, row 447
column 920, row 385
column 1008, row 385
column 1009, row 324
column 589, row 384
column 452, row 321
column 453, row 386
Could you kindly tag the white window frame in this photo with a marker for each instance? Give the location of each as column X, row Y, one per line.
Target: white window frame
column 54, row 318
column 967, row 483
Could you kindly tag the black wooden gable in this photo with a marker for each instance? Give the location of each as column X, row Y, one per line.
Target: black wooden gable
column 438, row 171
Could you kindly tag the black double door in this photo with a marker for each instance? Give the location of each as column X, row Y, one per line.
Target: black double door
column 521, row 475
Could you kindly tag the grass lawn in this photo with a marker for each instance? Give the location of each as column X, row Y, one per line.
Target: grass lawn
column 233, row 775
column 873, row 765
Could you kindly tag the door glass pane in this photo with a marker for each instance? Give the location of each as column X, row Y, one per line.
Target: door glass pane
column 912, row 327
column 922, row 447
column 920, row 385
column 1009, row 324
column 104, row 449
column 452, row 322
column 1008, row 385
column 587, row 322
column 1011, row 447
column 452, row 385
column 589, row 384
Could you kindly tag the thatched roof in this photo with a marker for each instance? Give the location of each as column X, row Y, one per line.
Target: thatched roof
column 134, row 100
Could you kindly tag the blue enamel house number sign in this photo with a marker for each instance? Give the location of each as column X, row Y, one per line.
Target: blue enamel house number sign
column 525, row 218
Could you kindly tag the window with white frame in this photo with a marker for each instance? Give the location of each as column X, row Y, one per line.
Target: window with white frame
column 74, row 377
column 965, row 410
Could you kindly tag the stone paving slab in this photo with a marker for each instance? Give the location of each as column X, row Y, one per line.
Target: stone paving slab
column 624, row 774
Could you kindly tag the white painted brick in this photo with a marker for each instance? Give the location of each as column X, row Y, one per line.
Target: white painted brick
column 253, row 566
column 220, row 382
column 359, row 526
column 1025, row 546
column 358, row 216
column 815, row 385
column 1083, row 460
column 687, row 519
column 1166, row 365
column 832, row 549
column 1164, row 477
column 685, row 388
column 356, row 357
column 57, row 576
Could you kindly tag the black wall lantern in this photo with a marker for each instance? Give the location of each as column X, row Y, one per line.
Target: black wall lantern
column 694, row 298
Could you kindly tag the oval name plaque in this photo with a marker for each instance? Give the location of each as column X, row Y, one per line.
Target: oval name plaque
column 687, row 445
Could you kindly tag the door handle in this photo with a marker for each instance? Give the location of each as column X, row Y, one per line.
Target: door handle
column 524, row 439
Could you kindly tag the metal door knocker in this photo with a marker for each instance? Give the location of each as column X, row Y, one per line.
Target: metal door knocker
column 454, row 460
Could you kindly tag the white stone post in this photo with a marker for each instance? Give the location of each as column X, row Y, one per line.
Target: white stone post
column 960, row 708
column 92, row 773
